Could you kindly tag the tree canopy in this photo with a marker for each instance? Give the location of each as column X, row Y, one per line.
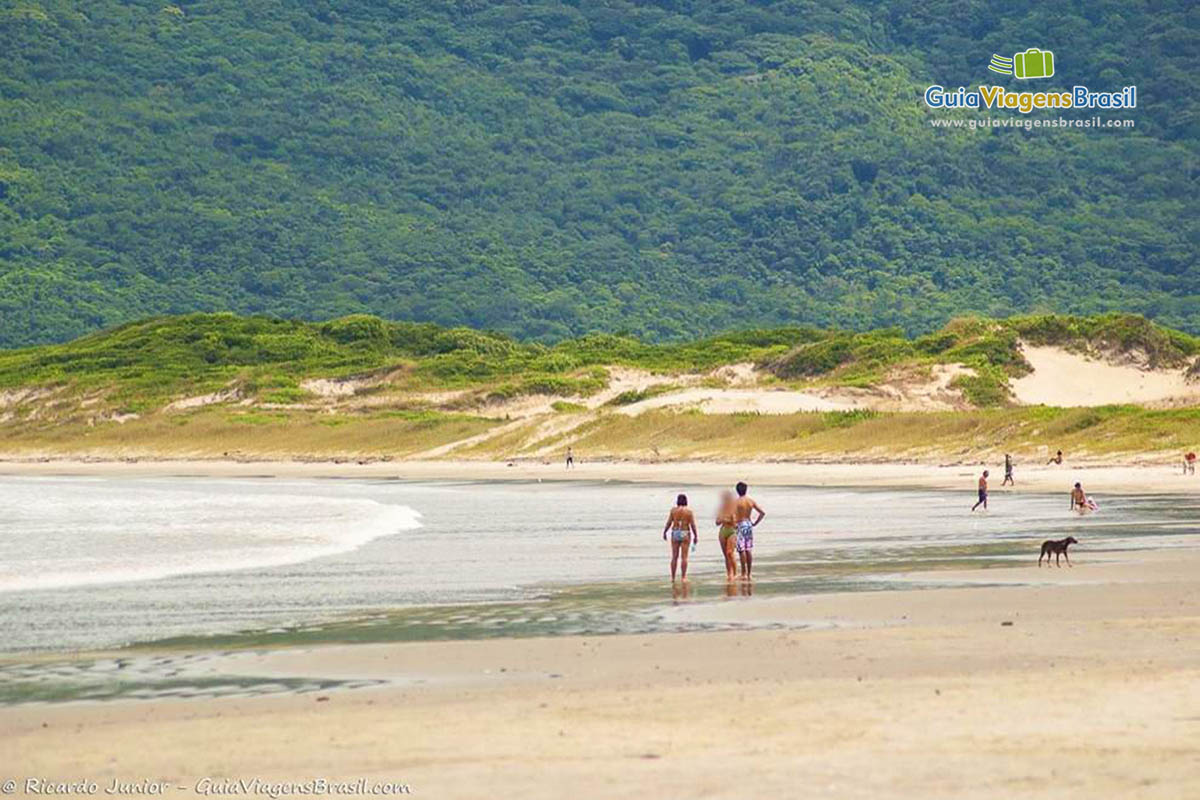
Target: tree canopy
column 547, row 169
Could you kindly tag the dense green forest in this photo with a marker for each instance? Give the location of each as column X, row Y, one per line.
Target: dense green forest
column 546, row 169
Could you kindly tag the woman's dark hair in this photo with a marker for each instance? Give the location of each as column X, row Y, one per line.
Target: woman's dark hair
column 681, row 500
column 741, row 488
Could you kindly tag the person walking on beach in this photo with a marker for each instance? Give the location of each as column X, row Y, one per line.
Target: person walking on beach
column 982, row 492
column 743, row 506
column 681, row 524
column 1189, row 463
column 570, row 458
column 727, row 534
column 1008, row 466
column 1056, row 459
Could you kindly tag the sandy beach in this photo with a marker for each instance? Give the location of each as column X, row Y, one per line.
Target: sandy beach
column 1054, row 683
column 1161, row 477
column 1000, row 681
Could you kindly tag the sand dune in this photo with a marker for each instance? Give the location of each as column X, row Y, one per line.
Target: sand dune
column 1059, row 378
column 931, row 392
column 741, row 401
column 1062, row 378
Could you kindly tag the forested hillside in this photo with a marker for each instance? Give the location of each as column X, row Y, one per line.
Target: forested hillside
column 548, row 169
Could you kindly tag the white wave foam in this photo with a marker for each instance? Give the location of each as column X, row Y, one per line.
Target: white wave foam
column 66, row 534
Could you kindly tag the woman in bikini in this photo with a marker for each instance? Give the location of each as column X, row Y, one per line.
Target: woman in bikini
column 727, row 534
column 681, row 525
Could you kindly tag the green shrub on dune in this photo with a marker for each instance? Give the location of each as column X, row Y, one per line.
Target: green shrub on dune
column 1117, row 333
column 148, row 362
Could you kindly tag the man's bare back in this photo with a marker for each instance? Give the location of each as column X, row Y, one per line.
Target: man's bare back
column 743, row 507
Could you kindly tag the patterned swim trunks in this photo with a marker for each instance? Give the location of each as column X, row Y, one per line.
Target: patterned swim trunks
column 679, row 535
column 745, row 536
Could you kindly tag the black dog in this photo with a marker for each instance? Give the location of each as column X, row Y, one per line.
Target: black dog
column 1050, row 547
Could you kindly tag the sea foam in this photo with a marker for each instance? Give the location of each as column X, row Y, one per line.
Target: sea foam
column 65, row 533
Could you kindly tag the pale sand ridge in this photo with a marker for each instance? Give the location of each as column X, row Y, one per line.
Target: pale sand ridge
column 1065, row 379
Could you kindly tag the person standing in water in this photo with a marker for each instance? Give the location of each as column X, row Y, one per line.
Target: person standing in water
column 743, row 506
column 1008, row 466
column 681, row 524
column 570, row 458
column 982, row 501
column 727, row 534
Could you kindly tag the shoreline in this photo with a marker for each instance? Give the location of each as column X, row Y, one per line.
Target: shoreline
column 854, row 705
column 1099, row 477
column 1031, row 682
column 710, row 606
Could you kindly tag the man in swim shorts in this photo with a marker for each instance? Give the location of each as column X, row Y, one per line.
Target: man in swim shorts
column 743, row 506
column 681, row 524
column 727, row 534
column 982, row 492
column 1008, row 467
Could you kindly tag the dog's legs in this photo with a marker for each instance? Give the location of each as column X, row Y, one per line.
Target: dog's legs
column 1057, row 556
column 1067, row 556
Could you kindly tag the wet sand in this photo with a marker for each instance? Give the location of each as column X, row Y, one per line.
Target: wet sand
column 1093, row 690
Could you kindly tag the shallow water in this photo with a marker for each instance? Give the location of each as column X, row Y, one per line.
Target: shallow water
column 88, row 564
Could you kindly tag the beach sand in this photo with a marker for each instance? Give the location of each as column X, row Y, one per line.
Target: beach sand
column 1092, row 691
column 1161, row 477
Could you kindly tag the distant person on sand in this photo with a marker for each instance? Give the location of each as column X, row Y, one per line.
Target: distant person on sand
column 982, row 492
column 1080, row 501
column 681, row 524
column 1008, row 465
column 742, row 508
column 1057, row 458
column 570, row 458
column 727, row 534
column 1189, row 464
